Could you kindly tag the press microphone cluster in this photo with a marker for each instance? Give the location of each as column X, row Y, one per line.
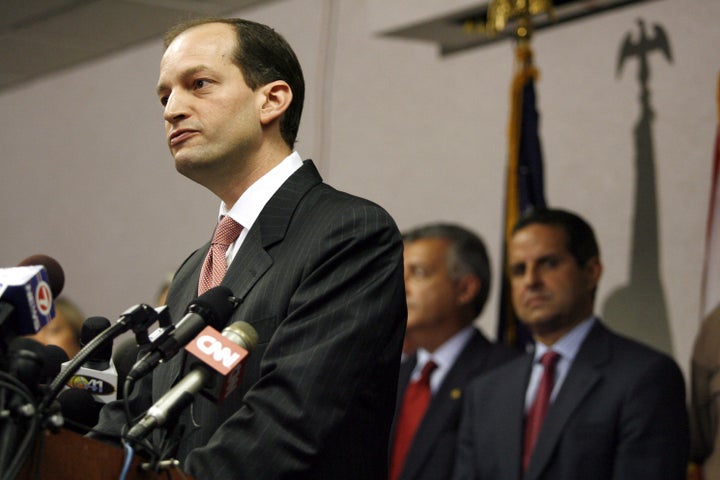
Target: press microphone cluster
column 214, row 368
column 138, row 317
column 39, row 385
column 26, row 366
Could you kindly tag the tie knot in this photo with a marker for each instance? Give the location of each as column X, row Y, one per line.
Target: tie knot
column 427, row 370
column 226, row 232
column 549, row 359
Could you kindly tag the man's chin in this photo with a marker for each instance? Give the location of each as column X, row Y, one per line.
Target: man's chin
column 538, row 320
column 188, row 165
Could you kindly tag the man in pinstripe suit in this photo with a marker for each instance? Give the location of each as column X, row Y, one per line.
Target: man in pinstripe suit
column 319, row 273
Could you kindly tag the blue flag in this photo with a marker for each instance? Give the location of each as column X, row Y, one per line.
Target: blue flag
column 524, row 182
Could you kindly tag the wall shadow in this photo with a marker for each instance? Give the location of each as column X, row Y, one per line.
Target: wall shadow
column 638, row 309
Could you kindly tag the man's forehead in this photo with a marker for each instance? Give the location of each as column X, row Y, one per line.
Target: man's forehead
column 541, row 239
column 207, row 40
column 426, row 251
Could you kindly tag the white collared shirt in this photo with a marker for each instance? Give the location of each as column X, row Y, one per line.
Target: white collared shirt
column 248, row 207
column 567, row 347
column 444, row 357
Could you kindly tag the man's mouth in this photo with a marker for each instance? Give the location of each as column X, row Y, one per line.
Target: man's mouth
column 179, row 136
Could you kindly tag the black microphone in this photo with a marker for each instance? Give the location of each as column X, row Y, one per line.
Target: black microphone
column 216, row 368
column 27, row 362
column 213, row 308
column 124, row 356
column 56, row 275
column 97, row 374
column 54, row 358
column 79, row 409
column 26, row 294
column 139, row 318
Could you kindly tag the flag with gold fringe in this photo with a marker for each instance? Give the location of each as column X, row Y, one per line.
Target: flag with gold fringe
column 701, row 408
column 711, row 269
column 524, row 180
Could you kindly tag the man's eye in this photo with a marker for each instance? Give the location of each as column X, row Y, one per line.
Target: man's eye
column 201, row 83
column 163, row 101
column 550, row 262
column 420, row 272
column 517, row 270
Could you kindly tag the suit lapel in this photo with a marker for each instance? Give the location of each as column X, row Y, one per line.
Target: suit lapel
column 253, row 259
column 167, row 372
column 508, row 418
column 585, row 372
column 446, row 402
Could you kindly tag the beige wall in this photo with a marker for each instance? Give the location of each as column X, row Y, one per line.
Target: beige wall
column 86, row 177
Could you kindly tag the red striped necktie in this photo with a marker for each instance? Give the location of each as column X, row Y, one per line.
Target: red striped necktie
column 536, row 414
column 215, row 266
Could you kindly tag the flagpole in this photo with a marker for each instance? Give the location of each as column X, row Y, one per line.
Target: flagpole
column 524, row 179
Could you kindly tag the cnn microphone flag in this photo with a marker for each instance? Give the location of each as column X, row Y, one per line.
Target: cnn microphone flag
column 524, row 180
column 711, row 269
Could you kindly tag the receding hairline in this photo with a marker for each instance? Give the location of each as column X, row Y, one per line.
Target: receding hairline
column 180, row 28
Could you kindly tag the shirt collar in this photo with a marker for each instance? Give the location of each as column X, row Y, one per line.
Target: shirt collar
column 248, row 207
column 448, row 352
column 569, row 344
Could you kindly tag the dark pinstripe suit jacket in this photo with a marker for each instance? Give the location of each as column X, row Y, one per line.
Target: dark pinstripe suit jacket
column 619, row 415
column 320, row 276
column 432, row 453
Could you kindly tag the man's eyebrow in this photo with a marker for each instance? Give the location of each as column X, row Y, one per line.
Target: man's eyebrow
column 188, row 72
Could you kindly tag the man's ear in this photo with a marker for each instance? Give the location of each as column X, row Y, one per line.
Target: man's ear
column 467, row 289
column 593, row 270
column 276, row 97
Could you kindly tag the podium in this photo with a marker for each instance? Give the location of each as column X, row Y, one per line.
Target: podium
column 70, row 456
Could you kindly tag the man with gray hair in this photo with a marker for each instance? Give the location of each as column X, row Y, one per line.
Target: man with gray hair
column 447, row 281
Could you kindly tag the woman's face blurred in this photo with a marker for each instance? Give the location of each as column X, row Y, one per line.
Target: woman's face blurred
column 59, row 332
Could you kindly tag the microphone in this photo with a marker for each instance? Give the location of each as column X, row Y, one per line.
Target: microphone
column 56, row 275
column 27, row 363
column 139, row 318
column 97, row 374
column 217, row 365
column 124, row 357
column 27, row 291
column 213, row 308
column 54, row 358
column 80, row 411
column 225, row 354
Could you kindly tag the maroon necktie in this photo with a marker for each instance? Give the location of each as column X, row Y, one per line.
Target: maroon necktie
column 213, row 270
column 415, row 402
column 536, row 414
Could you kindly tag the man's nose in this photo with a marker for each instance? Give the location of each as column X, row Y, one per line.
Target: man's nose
column 176, row 107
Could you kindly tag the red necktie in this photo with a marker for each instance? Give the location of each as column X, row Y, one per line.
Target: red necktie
column 213, row 270
column 415, row 402
column 536, row 414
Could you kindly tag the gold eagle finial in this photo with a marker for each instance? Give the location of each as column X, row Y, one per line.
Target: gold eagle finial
column 500, row 12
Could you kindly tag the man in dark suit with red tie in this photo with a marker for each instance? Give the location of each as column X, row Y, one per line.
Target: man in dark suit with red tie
column 587, row 404
column 447, row 281
column 318, row 274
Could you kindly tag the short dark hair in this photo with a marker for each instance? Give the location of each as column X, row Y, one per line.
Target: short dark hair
column 581, row 242
column 466, row 255
column 263, row 56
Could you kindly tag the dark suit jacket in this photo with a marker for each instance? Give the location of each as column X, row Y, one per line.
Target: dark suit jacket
column 432, row 453
column 620, row 414
column 320, row 276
